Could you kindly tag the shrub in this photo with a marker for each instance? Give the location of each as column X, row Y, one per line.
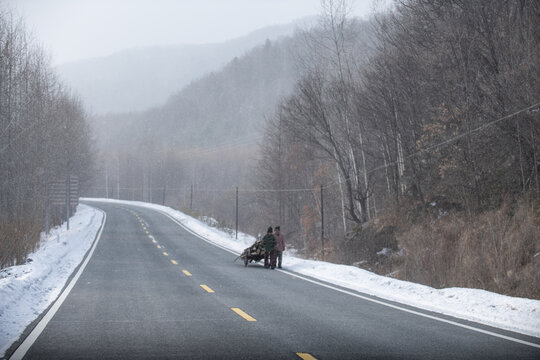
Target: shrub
column 18, row 238
column 496, row 250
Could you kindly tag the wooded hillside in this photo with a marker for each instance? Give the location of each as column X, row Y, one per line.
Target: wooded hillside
column 423, row 149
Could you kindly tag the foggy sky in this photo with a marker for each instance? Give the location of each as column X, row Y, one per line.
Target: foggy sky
column 77, row 29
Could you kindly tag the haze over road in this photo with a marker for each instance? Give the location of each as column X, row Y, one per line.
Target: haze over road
column 154, row 290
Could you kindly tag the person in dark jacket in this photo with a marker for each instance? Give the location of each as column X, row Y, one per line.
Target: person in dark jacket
column 269, row 242
column 280, row 245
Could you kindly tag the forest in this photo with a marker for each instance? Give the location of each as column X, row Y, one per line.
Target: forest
column 44, row 137
column 427, row 148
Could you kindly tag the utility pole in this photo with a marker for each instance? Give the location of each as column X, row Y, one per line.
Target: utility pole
column 164, row 189
column 106, row 180
column 67, row 201
column 47, row 207
column 118, row 177
column 322, row 221
column 279, row 174
column 237, row 212
column 191, row 198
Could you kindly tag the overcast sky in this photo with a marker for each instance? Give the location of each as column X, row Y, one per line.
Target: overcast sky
column 78, row 29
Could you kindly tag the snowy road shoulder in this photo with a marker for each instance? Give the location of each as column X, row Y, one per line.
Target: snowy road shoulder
column 510, row 313
column 27, row 290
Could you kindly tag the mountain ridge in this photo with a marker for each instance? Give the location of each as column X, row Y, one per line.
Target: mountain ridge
column 136, row 79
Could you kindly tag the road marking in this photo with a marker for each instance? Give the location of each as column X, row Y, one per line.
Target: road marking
column 186, row 272
column 197, row 235
column 154, row 241
column 144, row 227
column 306, row 356
column 207, row 288
column 159, row 247
column 32, row 337
column 147, row 232
column 243, row 314
column 164, row 253
column 487, row 332
column 174, row 262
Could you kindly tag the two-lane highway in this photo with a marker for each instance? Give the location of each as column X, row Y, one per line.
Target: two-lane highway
column 154, row 290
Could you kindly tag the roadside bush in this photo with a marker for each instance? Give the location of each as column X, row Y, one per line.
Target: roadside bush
column 18, row 238
column 496, row 251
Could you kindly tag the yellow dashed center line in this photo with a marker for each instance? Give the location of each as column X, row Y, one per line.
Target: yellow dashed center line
column 207, row 288
column 154, row 241
column 243, row 314
column 174, row 262
column 187, row 273
column 306, row 356
column 159, row 247
column 164, row 253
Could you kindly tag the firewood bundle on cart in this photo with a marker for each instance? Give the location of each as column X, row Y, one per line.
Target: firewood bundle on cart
column 253, row 253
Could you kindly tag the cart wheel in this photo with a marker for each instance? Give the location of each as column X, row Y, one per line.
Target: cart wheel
column 245, row 261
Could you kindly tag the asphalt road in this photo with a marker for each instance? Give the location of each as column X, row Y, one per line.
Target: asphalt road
column 142, row 296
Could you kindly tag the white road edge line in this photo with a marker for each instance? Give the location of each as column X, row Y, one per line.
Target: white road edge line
column 197, row 235
column 365, row 297
column 32, row 337
column 416, row 312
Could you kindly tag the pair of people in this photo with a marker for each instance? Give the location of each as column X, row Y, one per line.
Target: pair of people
column 274, row 245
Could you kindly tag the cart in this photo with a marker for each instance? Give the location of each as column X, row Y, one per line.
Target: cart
column 253, row 253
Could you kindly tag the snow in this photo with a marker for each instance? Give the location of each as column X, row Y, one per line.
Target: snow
column 27, row 290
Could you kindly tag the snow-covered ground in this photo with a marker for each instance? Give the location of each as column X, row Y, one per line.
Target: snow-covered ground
column 27, row 290
column 30, row 288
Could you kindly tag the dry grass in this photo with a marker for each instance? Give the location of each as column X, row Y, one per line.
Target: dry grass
column 18, row 238
column 494, row 251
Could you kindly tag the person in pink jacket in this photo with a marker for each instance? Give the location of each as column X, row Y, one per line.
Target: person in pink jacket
column 280, row 245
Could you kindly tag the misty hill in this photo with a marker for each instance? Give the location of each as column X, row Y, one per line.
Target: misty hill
column 140, row 78
column 217, row 107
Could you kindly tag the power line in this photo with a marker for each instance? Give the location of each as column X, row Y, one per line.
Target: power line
column 457, row 137
column 434, row 146
column 277, row 190
column 228, row 145
column 187, row 188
